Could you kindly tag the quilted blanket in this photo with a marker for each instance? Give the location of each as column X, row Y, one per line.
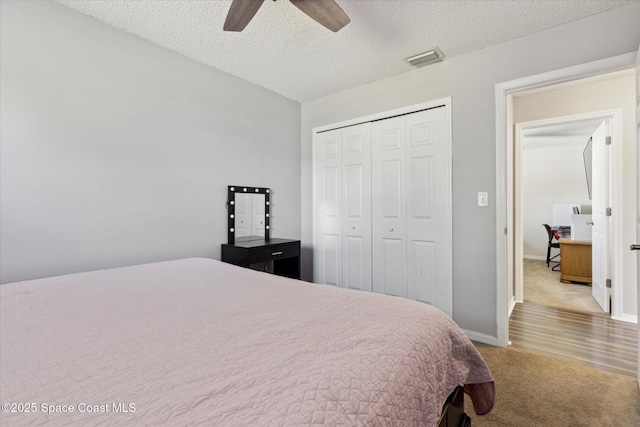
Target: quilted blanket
column 200, row 342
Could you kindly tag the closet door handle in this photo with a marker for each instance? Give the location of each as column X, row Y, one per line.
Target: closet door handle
column 635, row 247
column 390, row 228
column 353, row 227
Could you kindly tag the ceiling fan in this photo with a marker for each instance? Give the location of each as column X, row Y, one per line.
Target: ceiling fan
column 325, row 12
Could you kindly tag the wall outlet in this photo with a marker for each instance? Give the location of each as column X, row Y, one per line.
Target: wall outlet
column 483, row 198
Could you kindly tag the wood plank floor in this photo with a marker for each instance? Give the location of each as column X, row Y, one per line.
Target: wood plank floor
column 593, row 340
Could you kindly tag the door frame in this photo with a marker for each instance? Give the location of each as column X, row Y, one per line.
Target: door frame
column 504, row 171
column 616, row 161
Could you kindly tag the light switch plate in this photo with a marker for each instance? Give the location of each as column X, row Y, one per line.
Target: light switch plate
column 483, row 198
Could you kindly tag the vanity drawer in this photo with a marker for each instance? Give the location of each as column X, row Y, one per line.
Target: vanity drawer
column 282, row 254
column 274, row 252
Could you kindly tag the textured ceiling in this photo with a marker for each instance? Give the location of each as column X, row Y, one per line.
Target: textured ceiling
column 287, row 52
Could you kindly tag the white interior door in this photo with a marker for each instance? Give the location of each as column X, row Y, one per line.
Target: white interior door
column 328, row 252
column 601, row 237
column 638, row 189
column 388, row 206
column 356, row 207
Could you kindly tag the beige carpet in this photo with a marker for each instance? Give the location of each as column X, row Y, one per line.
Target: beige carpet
column 542, row 286
column 534, row 390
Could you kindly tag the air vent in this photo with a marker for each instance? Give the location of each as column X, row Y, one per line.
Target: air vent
column 428, row 57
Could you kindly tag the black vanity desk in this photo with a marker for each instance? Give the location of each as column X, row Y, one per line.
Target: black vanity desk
column 283, row 253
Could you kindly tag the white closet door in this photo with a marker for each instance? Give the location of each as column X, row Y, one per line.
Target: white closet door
column 356, row 207
column 601, row 225
column 328, row 252
column 388, row 206
column 428, row 185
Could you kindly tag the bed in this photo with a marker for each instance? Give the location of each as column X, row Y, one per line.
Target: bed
column 201, row 342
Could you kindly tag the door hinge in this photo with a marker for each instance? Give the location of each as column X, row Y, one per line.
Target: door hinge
column 608, row 141
column 608, row 211
column 608, row 283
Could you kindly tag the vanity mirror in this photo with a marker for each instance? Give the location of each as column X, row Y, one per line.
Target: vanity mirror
column 248, row 234
column 248, row 213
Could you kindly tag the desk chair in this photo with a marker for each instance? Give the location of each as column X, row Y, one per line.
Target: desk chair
column 552, row 244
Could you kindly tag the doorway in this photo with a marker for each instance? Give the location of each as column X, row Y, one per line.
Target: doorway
column 553, row 185
column 504, row 176
column 508, row 168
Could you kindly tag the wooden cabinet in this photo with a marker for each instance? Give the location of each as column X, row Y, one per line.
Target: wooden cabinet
column 277, row 256
column 575, row 261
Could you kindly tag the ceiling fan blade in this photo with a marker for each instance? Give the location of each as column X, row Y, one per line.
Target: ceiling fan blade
column 325, row 12
column 240, row 13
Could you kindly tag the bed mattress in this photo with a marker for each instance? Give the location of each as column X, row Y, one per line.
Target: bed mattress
column 200, row 342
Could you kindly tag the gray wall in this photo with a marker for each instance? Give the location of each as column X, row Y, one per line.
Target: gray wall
column 550, row 174
column 116, row 152
column 470, row 80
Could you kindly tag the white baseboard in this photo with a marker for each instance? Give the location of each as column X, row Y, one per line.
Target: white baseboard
column 535, row 257
column 483, row 338
column 630, row 318
column 512, row 305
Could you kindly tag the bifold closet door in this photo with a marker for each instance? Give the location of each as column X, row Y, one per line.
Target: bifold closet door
column 411, row 207
column 356, row 207
column 328, row 195
column 342, row 256
column 388, row 206
column 428, row 220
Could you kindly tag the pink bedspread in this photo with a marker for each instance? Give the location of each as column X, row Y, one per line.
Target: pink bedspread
column 200, row 342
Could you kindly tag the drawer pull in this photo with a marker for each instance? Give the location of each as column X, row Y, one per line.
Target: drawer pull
column 276, row 253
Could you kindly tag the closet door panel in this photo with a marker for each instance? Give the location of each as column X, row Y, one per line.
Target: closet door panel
column 332, row 260
column 356, row 225
column 328, row 187
column 354, row 264
column 422, row 191
column 330, row 215
column 391, row 197
column 388, row 206
column 421, row 271
column 353, row 192
column 428, row 205
column 420, row 252
column 392, row 280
